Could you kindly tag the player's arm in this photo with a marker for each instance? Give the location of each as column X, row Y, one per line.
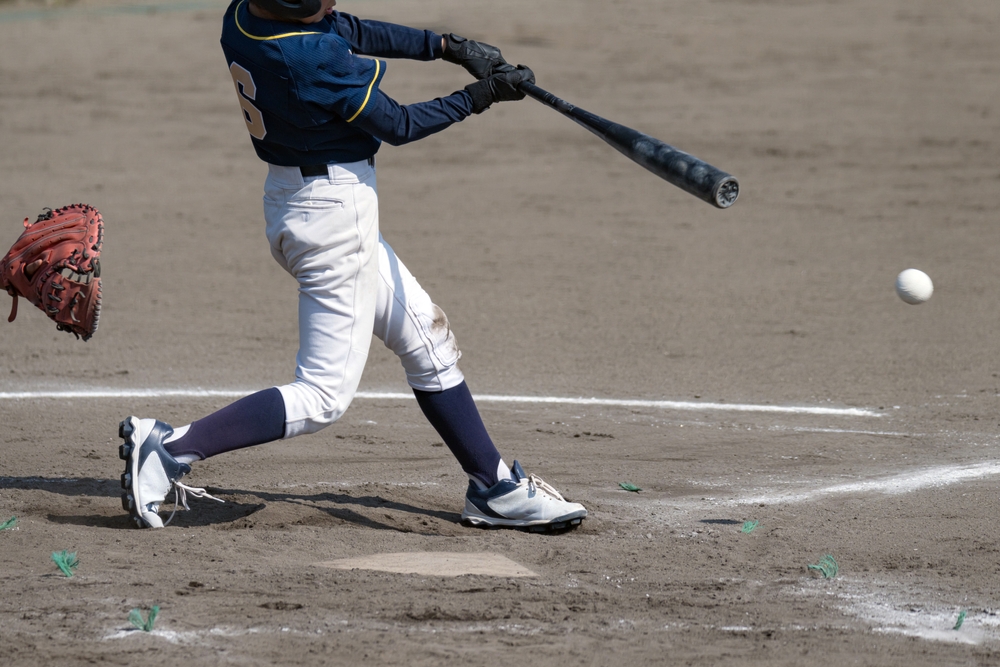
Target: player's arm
column 388, row 40
column 397, row 124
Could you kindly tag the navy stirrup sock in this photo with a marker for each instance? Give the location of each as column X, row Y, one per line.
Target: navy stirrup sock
column 454, row 415
column 252, row 420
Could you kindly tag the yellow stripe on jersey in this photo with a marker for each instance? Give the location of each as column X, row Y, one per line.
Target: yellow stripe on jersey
column 236, row 16
column 369, row 93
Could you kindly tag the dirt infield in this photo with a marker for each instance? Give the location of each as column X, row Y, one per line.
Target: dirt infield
column 751, row 365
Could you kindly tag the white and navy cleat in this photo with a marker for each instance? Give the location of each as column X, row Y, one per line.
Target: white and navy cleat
column 151, row 472
column 524, row 502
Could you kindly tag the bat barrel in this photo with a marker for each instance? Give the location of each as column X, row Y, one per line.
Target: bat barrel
column 687, row 172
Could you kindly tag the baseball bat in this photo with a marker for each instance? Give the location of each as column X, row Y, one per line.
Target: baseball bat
column 674, row 166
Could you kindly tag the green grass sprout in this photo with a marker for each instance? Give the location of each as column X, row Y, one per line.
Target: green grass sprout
column 8, row 524
column 827, row 567
column 146, row 625
column 961, row 619
column 628, row 486
column 748, row 526
column 67, row 562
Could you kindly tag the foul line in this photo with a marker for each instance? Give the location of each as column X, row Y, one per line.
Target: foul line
column 906, row 482
column 688, row 406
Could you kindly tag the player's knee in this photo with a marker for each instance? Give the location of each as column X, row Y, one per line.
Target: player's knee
column 443, row 343
column 310, row 407
column 433, row 366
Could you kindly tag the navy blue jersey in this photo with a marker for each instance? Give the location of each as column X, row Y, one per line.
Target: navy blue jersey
column 308, row 97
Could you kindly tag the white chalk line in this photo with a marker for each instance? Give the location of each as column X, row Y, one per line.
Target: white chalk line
column 905, row 608
column 175, row 637
column 688, row 406
column 905, row 482
column 848, row 431
column 895, row 484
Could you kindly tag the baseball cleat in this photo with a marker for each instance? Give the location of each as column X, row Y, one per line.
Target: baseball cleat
column 524, row 502
column 151, row 472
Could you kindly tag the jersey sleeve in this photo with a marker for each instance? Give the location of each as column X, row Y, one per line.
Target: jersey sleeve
column 387, row 40
column 396, row 124
column 338, row 81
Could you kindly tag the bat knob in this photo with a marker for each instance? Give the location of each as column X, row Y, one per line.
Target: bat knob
column 726, row 192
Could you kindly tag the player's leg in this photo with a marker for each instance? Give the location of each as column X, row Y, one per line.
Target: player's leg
column 454, row 415
column 328, row 240
column 419, row 333
column 252, row 420
column 325, row 233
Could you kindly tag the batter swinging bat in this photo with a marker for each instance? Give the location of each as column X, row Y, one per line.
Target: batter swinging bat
column 677, row 167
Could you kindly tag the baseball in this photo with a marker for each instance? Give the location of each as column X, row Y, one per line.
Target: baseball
column 914, row 286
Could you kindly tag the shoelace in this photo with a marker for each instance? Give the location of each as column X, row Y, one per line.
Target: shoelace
column 180, row 497
column 538, row 483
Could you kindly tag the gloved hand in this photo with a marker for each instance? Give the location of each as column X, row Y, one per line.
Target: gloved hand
column 478, row 58
column 500, row 87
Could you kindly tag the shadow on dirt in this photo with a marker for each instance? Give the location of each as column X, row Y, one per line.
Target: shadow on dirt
column 65, row 486
column 241, row 505
column 354, row 509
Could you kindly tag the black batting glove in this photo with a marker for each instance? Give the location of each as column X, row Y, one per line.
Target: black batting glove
column 479, row 59
column 501, row 87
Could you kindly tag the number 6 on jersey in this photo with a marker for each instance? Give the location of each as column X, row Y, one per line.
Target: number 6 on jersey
column 246, row 90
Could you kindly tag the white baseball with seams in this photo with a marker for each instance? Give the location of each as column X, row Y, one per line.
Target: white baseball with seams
column 914, row 286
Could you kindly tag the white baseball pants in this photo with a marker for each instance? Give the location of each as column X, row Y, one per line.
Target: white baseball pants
column 324, row 232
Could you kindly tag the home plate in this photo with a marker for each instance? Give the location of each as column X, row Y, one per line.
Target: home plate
column 434, row 564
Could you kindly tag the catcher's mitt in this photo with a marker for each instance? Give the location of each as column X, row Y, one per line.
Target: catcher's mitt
column 56, row 266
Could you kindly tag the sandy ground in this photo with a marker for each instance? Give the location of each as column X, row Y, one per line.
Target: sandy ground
column 865, row 136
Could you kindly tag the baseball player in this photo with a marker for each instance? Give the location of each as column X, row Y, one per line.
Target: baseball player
column 308, row 83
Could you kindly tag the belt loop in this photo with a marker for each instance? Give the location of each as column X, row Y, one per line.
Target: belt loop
column 314, row 170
